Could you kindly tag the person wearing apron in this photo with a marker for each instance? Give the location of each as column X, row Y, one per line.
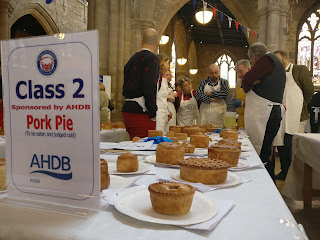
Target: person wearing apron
column 141, row 74
column 264, row 85
column 188, row 113
column 238, row 102
column 171, row 98
column 163, row 114
column 293, row 100
column 212, row 93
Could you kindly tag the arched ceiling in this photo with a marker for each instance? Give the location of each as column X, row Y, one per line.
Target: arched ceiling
column 214, row 32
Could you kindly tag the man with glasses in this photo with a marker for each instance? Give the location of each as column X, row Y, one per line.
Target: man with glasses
column 212, row 93
column 264, row 85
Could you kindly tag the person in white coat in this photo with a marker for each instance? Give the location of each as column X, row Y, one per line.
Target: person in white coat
column 212, row 93
column 171, row 101
column 188, row 113
column 298, row 92
column 163, row 113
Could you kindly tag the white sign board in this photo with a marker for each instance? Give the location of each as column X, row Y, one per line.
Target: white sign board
column 51, row 99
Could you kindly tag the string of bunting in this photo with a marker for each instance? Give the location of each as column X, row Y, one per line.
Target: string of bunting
column 230, row 19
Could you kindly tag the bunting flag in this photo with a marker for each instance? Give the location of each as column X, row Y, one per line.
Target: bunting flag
column 237, row 26
column 194, row 3
column 221, row 17
column 214, row 10
column 229, row 19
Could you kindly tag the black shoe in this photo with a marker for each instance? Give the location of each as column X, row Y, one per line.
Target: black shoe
column 281, row 176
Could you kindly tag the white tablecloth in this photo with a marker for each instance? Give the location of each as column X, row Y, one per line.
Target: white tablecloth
column 114, row 135
column 305, row 149
column 260, row 213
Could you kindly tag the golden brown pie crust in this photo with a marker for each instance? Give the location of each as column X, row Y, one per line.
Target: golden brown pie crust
column 171, row 198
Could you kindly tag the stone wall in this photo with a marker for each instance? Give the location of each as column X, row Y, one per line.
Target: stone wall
column 68, row 15
column 208, row 54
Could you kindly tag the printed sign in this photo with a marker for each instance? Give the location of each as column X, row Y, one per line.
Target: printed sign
column 51, row 99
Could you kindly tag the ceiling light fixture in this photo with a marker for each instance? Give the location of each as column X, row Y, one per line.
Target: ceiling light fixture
column 164, row 39
column 182, row 61
column 204, row 15
column 193, row 71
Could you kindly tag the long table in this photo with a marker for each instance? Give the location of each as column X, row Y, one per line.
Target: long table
column 259, row 213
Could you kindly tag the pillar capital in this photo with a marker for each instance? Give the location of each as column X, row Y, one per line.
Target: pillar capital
column 284, row 10
column 138, row 23
column 262, row 12
column 273, row 8
column 6, row 7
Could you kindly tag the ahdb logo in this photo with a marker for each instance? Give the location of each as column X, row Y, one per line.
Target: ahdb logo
column 49, row 164
column 47, row 62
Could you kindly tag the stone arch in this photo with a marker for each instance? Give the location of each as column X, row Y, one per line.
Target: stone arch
column 238, row 9
column 227, row 52
column 39, row 13
column 307, row 13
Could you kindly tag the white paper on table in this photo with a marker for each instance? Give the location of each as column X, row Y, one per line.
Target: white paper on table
column 108, row 145
column 152, row 171
column 127, row 146
column 252, row 165
column 110, row 196
column 198, row 186
column 245, row 177
column 224, row 206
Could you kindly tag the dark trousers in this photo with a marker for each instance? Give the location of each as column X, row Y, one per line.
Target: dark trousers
column 285, row 153
column 272, row 129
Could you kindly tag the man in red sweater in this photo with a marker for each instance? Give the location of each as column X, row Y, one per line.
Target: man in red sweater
column 141, row 75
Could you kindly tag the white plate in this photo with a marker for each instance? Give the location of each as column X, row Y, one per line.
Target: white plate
column 138, row 205
column 152, row 159
column 119, row 182
column 242, row 164
column 143, row 167
column 232, row 180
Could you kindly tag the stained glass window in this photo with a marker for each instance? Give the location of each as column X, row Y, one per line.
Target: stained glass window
column 227, row 69
column 309, row 45
column 173, row 64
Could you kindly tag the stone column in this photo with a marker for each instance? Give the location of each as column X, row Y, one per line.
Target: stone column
column 137, row 27
column 263, row 23
column 98, row 18
column 273, row 11
column 112, row 19
column 5, row 14
column 283, row 27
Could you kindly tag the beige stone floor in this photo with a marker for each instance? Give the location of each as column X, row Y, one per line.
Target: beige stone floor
column 308, row 217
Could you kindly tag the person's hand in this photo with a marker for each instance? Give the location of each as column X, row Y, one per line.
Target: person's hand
column 208, row 94
column 236, row 102
column 214, row 99
column 169, row 116
column 256, row 82
column 153, row 119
